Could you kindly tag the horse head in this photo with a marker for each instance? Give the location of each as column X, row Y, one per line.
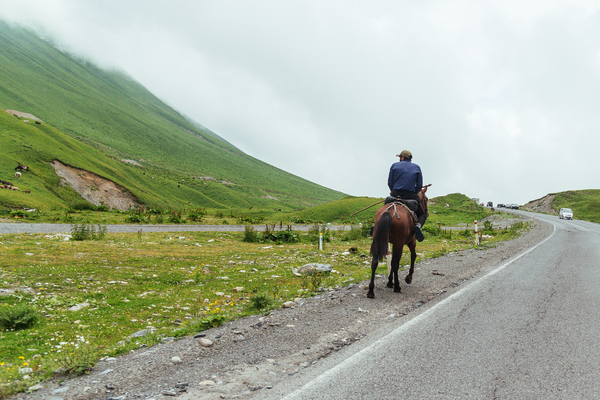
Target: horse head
column 423, row 198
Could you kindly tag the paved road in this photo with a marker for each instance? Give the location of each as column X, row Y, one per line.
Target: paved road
column 529, row 329
column 66, row 228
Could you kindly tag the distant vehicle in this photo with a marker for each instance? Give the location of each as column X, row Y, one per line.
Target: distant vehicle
column 500, row 205
column 565, row 213
column 490, row 204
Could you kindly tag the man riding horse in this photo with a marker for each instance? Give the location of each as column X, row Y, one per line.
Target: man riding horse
column 405, row 181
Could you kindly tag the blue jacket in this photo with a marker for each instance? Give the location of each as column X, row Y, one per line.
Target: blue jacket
column 404, row 175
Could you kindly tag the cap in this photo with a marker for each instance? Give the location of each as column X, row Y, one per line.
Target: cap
column 405, row 154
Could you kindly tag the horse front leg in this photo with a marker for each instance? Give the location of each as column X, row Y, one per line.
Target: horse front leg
column 396, row 255
column 371, row 292
column 413, row 256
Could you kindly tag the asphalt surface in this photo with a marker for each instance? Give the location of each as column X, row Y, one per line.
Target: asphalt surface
column 528, row 329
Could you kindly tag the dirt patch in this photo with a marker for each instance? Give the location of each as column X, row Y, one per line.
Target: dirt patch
column 94, row 188
column 23, row 115
column 543, row 205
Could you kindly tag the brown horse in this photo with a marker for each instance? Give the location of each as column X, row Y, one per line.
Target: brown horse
column 394, row 224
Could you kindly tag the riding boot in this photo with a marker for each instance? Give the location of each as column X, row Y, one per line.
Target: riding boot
column 417, row 228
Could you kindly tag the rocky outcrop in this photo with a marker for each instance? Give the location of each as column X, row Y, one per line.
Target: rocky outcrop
column 543, row 205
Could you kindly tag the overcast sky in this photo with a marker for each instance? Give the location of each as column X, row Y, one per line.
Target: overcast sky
column 496, row 99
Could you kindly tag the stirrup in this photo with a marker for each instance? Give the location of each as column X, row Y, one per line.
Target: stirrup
column 418, row 233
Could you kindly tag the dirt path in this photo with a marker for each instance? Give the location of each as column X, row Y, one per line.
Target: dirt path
column 253, row 354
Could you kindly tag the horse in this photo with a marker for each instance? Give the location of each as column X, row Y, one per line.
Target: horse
column 394, row 224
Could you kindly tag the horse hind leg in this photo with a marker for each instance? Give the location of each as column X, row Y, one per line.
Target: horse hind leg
column 371, row 292
column 413, row 257
column 396, row 255
column 388, row 259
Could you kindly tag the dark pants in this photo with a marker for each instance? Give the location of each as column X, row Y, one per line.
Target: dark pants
column 407, row 195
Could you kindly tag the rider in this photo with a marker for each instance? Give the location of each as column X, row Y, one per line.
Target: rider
column 405, row 181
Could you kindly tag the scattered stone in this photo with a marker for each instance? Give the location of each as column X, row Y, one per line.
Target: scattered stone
column 141, row 333
column 237, row 289
column 199, row 335
column 169, row 393
column 314, row 268
column 35, row 387
column 79, row 306
column 24, row 371
column 167, row 339
column 205, row 342
column 110, row 387
column 110, row 359
column 206, row 383
column 288, row 304
column 61, row 390
column 106, row 371
column 176, row 360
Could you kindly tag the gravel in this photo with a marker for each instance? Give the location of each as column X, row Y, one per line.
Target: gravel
column 253, row 354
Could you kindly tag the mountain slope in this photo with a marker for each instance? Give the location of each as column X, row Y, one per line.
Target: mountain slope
column 117, row 116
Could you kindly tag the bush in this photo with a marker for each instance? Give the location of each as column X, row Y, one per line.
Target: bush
column 287, row 236
column 355, row 233
column 77, row 361
column 17, row 317
column 433, row 230
column 88, row 232
column 250, row 235
column 260, row 301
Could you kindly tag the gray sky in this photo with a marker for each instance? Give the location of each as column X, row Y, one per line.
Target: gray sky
column 495, row 99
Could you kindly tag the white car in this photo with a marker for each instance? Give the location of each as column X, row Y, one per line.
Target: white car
column 565, row 213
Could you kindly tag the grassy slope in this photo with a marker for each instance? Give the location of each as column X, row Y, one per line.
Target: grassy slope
column 584, row 203
column 116, row 115
column 461, row 210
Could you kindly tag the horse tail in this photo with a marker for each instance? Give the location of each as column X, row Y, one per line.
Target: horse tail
column 379, row 247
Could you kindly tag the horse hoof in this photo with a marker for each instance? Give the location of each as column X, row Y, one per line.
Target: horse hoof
column 397, row 290
column 390, row 285
column 371, row 295
column 408, row 279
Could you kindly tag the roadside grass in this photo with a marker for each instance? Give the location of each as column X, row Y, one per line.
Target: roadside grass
column 92, row 295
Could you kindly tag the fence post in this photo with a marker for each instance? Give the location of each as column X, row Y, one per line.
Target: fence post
column 476, row 234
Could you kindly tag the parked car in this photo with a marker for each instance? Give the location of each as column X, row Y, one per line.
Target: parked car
column 565, row 213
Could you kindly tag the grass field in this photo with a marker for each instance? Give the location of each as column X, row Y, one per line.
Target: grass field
column 172, row 284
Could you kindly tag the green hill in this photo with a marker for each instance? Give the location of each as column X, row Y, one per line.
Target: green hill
column 584, row 203
column 94, row 118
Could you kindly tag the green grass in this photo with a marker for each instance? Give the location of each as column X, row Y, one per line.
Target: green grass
column 93, row 118
column 177, row 283
column 584, row 203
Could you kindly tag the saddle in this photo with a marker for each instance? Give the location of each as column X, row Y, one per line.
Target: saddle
column 410, row 205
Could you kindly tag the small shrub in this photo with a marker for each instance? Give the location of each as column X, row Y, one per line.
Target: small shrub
column 85, row 206
column 260, row 301
column 77, row 361
column 175, row 217
column 488, row 228
column 432, row 230
column 467, row 233
column 137, row 216
column 250, row 235
column 87, row 232
column 194, row 217
column 17, row 317
column 355, row 233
